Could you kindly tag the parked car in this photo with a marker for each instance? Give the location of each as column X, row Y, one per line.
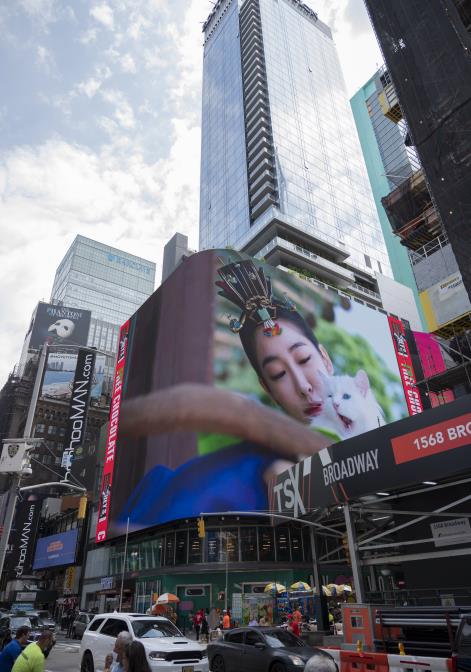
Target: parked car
column 46, row 619
column 259, row 649
column 166, row 647
column 80, row 624
column 10, row 623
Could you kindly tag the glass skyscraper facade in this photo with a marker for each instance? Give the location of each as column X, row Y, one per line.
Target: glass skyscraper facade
column 282, row 172
column 389, row 162
column 111, row 283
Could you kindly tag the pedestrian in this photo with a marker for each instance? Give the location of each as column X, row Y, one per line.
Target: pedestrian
column 135, row 658
column 297, row 615
column 293, row 626
column 205, row 628
column 70, row 622
column 11, row 652
column 33, row 658
column 226, row 620
column 121, row 640
column 197, row 620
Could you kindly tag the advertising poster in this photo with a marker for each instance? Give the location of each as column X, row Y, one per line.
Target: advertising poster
column 55, row 550
column 59, row 325
column 59, row 376
column 227, row 321
column 445, row 301
column 23, row 536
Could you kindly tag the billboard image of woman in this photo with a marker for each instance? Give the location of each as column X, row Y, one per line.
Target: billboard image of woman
column 242, row 326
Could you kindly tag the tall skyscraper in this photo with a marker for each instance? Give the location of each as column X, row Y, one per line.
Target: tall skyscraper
column 389, row 161
column 112, row 284
column 282, row 173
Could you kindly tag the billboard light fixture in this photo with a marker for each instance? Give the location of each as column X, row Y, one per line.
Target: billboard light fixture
column 381, row 518
column 383, row 494
column 429, row 483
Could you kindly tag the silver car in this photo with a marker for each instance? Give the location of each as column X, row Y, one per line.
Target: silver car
column 80, row 624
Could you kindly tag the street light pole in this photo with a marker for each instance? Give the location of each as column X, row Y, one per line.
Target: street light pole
column 227, row 571
column 16, row 478
column 124, row 566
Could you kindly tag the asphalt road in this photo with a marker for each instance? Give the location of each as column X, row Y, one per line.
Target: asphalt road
column 64, row 657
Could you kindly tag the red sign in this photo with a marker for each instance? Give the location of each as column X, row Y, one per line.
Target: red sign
column 433, row 439
column 110, row 452
column 404, row 360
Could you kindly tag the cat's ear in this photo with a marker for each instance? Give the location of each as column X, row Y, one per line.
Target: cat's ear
column 362, row 382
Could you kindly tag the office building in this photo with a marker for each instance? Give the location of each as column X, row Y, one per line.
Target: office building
column 282, row 173
column 112, row 284
column 175, row 251
column 389, row 161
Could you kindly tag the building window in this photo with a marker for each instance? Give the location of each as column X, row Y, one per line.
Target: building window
column 214, row 543
column 181, row 548
column 52, row 429
column 266, row 544
column 367, row 261
column 194, row 547
column 296, row 545
column 248, row 544
column 169, row 548
column 40, row 428
column 282, row 544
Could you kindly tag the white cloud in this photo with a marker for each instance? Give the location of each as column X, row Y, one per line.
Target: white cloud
column 123, row 112
column 50, row 193
column 45, row 59
column 103, row 14
column 128, row 64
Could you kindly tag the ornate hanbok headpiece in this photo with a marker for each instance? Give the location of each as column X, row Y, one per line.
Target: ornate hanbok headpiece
column 250, row 290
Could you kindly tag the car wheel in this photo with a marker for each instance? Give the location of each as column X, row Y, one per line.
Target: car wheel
column 87, row 663
column 278, row 667
column 218, row 664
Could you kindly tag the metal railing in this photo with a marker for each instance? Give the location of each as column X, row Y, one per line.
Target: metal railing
column 416, row 256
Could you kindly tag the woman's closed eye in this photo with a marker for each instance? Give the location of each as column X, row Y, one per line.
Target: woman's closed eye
column 304, row 360
column 276, row 376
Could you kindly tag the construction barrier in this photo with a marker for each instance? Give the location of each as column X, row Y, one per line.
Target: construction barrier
column 399, row 663
column 351, row 661
column 364, row 661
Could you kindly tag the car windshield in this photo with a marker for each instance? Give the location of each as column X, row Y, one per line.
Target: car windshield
column 17, row 621
column 279, row 639
column 151, row 628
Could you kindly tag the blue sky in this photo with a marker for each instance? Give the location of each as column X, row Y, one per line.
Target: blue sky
column 100, row 131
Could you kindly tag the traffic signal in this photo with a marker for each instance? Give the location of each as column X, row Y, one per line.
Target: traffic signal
column 346, row 549
column 201, row 530
column 82, row 509
column 221, row 596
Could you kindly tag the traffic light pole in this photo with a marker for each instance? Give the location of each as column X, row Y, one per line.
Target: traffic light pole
column 354, row 557
column 323, row 624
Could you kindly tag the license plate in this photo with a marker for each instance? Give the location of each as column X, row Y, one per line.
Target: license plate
column 188, row 668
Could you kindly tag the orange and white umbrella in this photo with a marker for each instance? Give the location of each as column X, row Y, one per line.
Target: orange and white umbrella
column 167, row 598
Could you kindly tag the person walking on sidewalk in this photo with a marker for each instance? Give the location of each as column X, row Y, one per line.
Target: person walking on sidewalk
column 33, row 658
column 11, row 652
column 205, row 627
column 197, row 621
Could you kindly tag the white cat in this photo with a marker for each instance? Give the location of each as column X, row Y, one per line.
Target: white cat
column 350, row 407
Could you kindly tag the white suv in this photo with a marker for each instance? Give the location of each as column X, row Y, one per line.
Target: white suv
column 167, row 649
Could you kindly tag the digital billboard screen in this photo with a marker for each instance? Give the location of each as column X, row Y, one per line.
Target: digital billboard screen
column 59, row 325
column 59, row 376
column 226, row 321
column 55, row 550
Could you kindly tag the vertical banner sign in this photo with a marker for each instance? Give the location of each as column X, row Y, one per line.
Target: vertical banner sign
column 404, row 360
column 23, row 538
column 110, row 451
column 78, row 409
